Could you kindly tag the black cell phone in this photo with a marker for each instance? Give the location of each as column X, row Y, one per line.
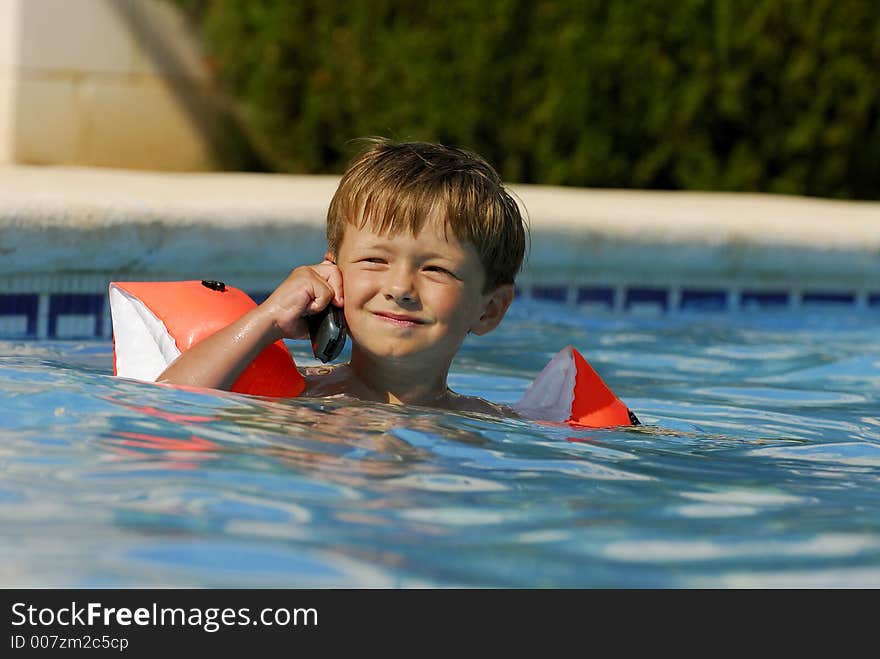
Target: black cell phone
column 328, row 333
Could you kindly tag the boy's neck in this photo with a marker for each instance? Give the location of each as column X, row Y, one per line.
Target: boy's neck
column 391, row 382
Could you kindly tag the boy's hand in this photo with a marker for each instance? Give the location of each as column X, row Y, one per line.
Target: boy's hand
column 306, row 291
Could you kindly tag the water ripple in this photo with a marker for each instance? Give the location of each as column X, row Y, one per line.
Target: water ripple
column 757, row 465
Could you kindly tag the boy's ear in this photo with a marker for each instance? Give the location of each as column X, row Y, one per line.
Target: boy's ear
column 495, row 305
column 329, row 256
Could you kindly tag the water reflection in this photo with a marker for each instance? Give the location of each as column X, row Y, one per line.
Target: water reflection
column 756, row 465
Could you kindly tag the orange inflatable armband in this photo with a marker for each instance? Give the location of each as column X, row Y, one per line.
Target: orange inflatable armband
column 153, row 322
column 568, row 390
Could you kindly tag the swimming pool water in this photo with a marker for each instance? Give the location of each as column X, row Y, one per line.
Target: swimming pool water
column 757, row 466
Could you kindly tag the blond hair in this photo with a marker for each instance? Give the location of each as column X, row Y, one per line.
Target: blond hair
column 392, row 187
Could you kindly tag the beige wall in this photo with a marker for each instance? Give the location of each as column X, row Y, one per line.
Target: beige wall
column 113, row 83
column 8, row 69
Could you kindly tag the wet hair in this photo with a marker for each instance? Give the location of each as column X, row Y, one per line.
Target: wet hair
column 396, row 186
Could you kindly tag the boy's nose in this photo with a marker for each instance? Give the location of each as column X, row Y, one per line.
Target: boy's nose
column 400, row 287
column 401, row 295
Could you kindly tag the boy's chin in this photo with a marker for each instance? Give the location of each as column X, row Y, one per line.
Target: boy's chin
column 401, row 352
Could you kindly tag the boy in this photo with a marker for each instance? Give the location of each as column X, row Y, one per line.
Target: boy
column 423, row 245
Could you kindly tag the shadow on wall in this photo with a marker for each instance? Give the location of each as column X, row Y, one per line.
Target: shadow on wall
column 212, row 114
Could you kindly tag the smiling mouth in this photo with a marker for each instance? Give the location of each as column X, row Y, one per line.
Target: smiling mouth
column 397, row 319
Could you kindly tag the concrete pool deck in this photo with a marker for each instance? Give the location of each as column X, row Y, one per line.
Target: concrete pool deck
column 75, row 229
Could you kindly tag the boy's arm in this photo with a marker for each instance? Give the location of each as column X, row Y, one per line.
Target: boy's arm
column 218, row 360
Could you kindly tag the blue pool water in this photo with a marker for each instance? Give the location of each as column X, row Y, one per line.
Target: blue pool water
column 757, row 465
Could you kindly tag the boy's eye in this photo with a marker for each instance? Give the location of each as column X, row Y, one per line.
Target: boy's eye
column 372, row 259
column 438, row 269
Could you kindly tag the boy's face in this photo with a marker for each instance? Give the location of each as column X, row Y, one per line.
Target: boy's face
column 415, row 296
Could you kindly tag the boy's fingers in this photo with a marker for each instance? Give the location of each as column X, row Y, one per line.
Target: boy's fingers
column 322, row 294
column 336, row 282
column 331, row 273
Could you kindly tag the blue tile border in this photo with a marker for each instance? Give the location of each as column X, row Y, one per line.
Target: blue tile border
column 86, row 304
column 695, row 299
column 596, row 295
column 764, row 299
column 828, row 298
column 38, row 315
column 555, row 293
column 645, row 296
column 21, row 304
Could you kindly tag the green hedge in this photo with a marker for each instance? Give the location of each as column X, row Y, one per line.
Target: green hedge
column 747, row 95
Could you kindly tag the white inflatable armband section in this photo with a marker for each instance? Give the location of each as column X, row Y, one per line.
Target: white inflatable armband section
column 551, row 395
column 143, row 346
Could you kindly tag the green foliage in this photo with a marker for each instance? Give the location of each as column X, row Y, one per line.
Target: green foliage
column 749, row 95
